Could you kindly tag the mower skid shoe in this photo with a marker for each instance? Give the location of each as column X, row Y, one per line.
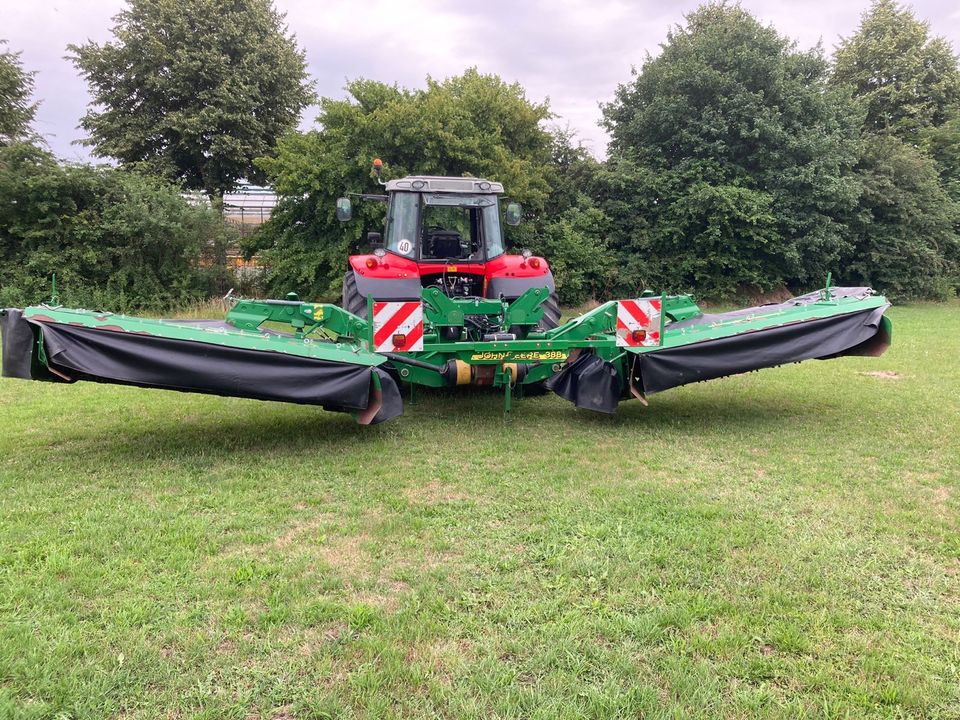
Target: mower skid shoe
column 590, row 383
column 385, row 401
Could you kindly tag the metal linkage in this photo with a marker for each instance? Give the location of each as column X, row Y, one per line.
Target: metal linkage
column 303, row 318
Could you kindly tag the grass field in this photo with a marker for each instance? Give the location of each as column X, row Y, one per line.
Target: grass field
column 779, row 545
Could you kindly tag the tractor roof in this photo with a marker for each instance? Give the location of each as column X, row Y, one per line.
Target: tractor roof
column 431, row 183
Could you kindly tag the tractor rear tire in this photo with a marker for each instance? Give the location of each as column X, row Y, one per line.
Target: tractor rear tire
column 551, row 313
column 550, row 320
column 353, row 301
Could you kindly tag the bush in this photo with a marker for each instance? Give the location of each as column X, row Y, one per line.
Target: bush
column 577, row 254
column 740, row 159
column 469, row 124
column 905, row 239
column 115, row 239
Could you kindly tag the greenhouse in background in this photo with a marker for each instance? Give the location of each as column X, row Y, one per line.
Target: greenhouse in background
column 248, row 207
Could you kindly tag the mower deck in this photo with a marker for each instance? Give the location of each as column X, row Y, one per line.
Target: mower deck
column 324, row 355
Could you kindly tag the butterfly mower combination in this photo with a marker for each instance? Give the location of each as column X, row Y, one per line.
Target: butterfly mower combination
column 439, row 302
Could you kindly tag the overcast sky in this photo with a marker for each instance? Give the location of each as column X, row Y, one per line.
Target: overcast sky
column 572, row 53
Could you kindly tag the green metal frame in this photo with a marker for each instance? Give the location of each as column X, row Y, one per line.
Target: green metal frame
column 328, row 332
column 441, row 311
column 303, row 318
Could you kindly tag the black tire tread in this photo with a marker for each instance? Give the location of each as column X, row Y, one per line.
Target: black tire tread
column 352, row 301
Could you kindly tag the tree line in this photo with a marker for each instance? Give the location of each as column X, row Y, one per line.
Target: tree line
column 738, row 163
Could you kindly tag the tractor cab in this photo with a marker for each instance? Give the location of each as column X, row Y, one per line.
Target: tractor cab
column 445, row 220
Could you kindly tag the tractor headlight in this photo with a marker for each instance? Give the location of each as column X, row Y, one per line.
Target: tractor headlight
column 379, row 252
column 525, row 253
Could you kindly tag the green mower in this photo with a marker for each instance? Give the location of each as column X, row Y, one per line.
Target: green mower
column 440, row 303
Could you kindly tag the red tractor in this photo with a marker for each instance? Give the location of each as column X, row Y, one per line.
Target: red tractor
column 443, row 232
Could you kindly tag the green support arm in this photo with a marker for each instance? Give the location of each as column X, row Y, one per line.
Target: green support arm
column 303, row 317
column 601, row 320
column 528, row 308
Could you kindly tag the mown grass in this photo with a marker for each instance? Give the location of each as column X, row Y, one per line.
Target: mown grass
column 780, row 544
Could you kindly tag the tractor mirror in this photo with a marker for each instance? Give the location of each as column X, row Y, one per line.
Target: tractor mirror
column 514, row 213
column 344, row 209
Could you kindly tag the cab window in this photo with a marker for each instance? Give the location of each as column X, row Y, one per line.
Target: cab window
column 460, row 227
column 491, row 232
column 438, row 226
column 450, row 233
column 402, row 224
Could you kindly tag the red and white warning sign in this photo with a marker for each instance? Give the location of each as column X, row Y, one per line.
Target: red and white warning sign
column 638, row 322
column 397, row 326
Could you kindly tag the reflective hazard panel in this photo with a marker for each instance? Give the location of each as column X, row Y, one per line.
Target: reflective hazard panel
column 638, row 322
column 397, row 326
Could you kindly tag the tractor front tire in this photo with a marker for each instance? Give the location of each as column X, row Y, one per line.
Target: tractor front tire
column 352, row 300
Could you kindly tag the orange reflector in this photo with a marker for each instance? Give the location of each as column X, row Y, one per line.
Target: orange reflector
column 639, row 336
column 534, row 262
column 371, row 263
column 399, row 340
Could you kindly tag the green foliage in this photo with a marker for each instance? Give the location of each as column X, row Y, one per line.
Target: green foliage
column 942, row 143
column 571, row 231
column 906, row 79
column 731, row 161
column 905, row 236
column 909, row 84
column 572, row 173
column 469, row 124
column 574, row 245
column 194, row 91
column 714, row 239
column 116, row 240
column 16, row 88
